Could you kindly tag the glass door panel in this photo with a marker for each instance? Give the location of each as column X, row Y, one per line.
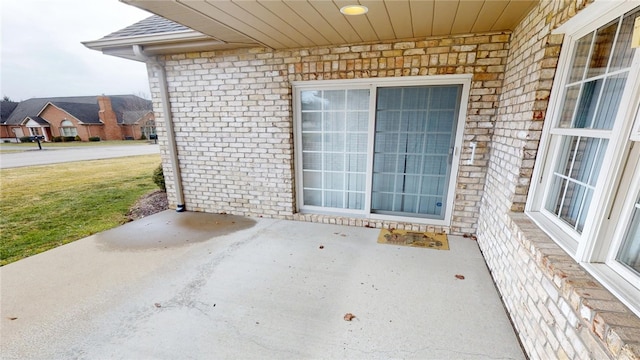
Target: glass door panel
column 414, row 134
column 629, row 253
column 334, row 147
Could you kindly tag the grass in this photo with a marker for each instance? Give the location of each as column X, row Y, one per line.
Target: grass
column 47, row 206
column 18, row 147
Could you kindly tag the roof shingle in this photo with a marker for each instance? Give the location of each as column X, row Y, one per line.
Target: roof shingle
column 149, row 26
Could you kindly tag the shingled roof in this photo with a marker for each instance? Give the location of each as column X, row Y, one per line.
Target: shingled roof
column 149, row 26
column 6, row 108
column 87, row 113
column 127, row 107
column 39, row 120
column 84, row 108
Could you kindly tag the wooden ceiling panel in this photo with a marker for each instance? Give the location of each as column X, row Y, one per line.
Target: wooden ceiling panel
column 445, row 13
column 360, row 24
column 316, row 21
column 421, row 17
column 287, row 14
column 275, row 21
column 282, row 24
column 512, row 14
column 330, row 12
column 490, row 12
column 400, row 15
column 379, row 18
column 234, row 17
column 465, row 17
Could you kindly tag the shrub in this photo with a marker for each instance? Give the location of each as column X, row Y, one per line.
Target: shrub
column 94, row 138
column 25, row 139
column 57, row 139
column 158, row 178
column 6, row 141
column 77, row 138
column 68, row 138
column 143, row 137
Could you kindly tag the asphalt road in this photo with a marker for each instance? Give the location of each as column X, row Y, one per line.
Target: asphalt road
column 80, row 153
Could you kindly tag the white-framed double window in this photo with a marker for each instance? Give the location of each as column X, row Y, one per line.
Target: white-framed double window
column 68, row 129
column 586, row 183
column 380, row 148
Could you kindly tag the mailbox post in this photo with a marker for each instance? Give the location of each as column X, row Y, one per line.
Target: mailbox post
column 37, row 138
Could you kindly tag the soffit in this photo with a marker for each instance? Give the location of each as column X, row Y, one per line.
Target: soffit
column 281, row 24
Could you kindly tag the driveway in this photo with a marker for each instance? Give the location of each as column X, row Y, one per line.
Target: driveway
column 79, row 153
column 205, row 286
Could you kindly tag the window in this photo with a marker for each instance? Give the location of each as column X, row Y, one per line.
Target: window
column 629, row 253
column 67, row 128
column 149, row 129
column 586, row 197
column 380, row 148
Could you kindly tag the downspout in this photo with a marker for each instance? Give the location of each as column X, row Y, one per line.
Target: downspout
column 168, row 120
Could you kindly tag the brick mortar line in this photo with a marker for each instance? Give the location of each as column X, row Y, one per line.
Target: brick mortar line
column 575, row 285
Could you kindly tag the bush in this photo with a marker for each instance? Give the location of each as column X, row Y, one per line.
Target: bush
column 77, row 138
column 68, row 138
column 56, row 139
column 142, row 137
column 25, row 139
column 94, row 138
column 158, row 178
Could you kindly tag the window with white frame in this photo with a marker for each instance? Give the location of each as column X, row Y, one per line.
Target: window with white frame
column 67, row 128
column 379, row 147
column 586, row 197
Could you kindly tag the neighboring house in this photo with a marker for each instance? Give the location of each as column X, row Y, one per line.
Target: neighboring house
column 115, row 117
column 516, row 121
column 6, row 108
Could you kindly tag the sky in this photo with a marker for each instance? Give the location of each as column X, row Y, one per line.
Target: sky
column 42, row 55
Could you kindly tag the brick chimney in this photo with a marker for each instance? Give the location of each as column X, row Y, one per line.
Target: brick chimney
column 109, row 119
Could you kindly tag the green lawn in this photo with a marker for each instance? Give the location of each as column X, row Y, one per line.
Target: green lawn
column 43, row 207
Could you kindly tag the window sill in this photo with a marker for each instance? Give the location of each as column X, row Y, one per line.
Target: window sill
column 598, row 311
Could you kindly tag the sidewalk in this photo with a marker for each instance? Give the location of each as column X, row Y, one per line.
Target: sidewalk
column 205, row 286
column 55, row 155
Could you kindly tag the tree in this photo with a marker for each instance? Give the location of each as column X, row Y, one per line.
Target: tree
column 6, row 98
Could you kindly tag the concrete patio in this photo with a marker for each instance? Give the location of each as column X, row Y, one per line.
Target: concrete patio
column 204, row 286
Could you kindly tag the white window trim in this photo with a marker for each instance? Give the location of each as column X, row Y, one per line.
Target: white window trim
column 373, row 84
column 591, row 252
column 631, row 186
column 635, row 134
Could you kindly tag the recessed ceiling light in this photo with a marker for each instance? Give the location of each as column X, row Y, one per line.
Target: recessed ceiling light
column 354, row 10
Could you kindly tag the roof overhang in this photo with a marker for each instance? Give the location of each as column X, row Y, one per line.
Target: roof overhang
column 282, row 24
column 288, row 24
column 34, row 122
column 157, row 44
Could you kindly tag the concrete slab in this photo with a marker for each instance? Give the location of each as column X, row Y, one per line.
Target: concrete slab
column 214, row 286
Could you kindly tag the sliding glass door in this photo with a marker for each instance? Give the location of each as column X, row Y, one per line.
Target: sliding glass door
column 414, row 139
column 384, row 150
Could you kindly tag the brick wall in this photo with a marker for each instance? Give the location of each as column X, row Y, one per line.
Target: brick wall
column 55, row 116
column 111, row 129
column 234, row 126
column 557, row 308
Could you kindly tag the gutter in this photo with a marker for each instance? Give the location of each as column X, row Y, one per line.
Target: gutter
column 168, row 119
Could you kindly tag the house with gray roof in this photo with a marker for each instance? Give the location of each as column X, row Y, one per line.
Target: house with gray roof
column 114, row 117
column 516, row 123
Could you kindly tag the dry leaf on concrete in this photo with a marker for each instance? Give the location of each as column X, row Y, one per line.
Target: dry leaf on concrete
column 349, row 317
